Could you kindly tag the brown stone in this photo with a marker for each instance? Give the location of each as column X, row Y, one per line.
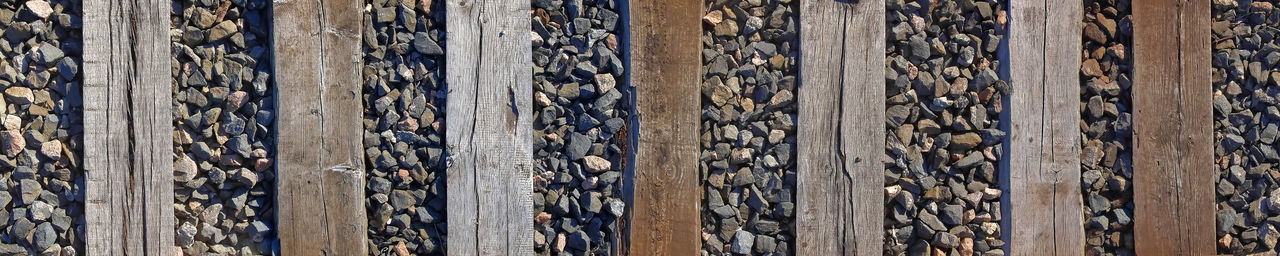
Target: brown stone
column 1095, row 34
column 401, row 250
column 714, row 17
column 1107, row 25
column 928, row 126
column 1090, row 68
column 964, row 142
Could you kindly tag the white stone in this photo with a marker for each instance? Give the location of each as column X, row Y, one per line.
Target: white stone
column 40, row 8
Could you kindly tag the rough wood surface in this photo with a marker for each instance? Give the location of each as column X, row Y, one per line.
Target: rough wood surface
column 489, row 130
column 665, row 66
column 1044, row 197
column 1173, row 172
column 129, row 147
column 841, row 133
column 320, row 186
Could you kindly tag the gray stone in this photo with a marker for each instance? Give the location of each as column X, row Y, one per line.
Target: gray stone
column 931, row 221
column 240, row 145
column 186, row 234
column 578, row 145
column 920, row 48
column 946, row 240
column 379, row 185
column 401, row 199
column 1221, row 105
column 49, row 54
column 616, row 207
column 765, row 244
column 44, row 236
column 40, row 211
column 951, row 215
column 233, row 124
column 742, row 242
column 29, row 190
column 1098, row 222
column 1231, row 142
column 258, row 230
column 590, row 202
column 969, row 161
column 423, row 43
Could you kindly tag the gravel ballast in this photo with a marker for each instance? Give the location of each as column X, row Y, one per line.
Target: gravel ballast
column 1106, row 127
column 750, row 55
column 404, row 97
column 223, row 96
column 1246, row 84
column 943, row 119
column 40, row 143
column 582, row 104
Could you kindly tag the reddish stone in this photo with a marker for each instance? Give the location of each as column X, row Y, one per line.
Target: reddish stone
column 12, row 143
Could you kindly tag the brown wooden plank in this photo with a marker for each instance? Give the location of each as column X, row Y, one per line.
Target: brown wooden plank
column 128, row 136
column 1173, row 172
column 1045, row 208
column 665, row 68
column 841, row 135
column 320, row 186
column 489, row 127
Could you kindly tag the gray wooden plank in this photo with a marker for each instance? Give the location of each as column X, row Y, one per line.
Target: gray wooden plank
column 320, row 186
column 665, row 71
column 1173, row 170
column 841, row 135
column 128, row 136
column 489, row 127
column 1045, row 209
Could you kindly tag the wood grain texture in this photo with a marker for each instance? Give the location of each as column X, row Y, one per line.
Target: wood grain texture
column 1045, row 209
column 665, row 71
column 489, row 130
column 129, row 145
column 320, row 187
column 841, row 135
column 1173, row 172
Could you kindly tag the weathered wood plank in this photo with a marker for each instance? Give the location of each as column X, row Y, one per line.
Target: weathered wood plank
column 665, row 68
column 320, row 186
column 489, row 127
column 1045, row 208
column 841, row 135
column 129, row 149
column 1173, row 172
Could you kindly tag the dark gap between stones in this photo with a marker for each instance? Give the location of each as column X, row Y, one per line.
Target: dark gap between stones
column 224, row 116
column 41, row 113
column 404, row 95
